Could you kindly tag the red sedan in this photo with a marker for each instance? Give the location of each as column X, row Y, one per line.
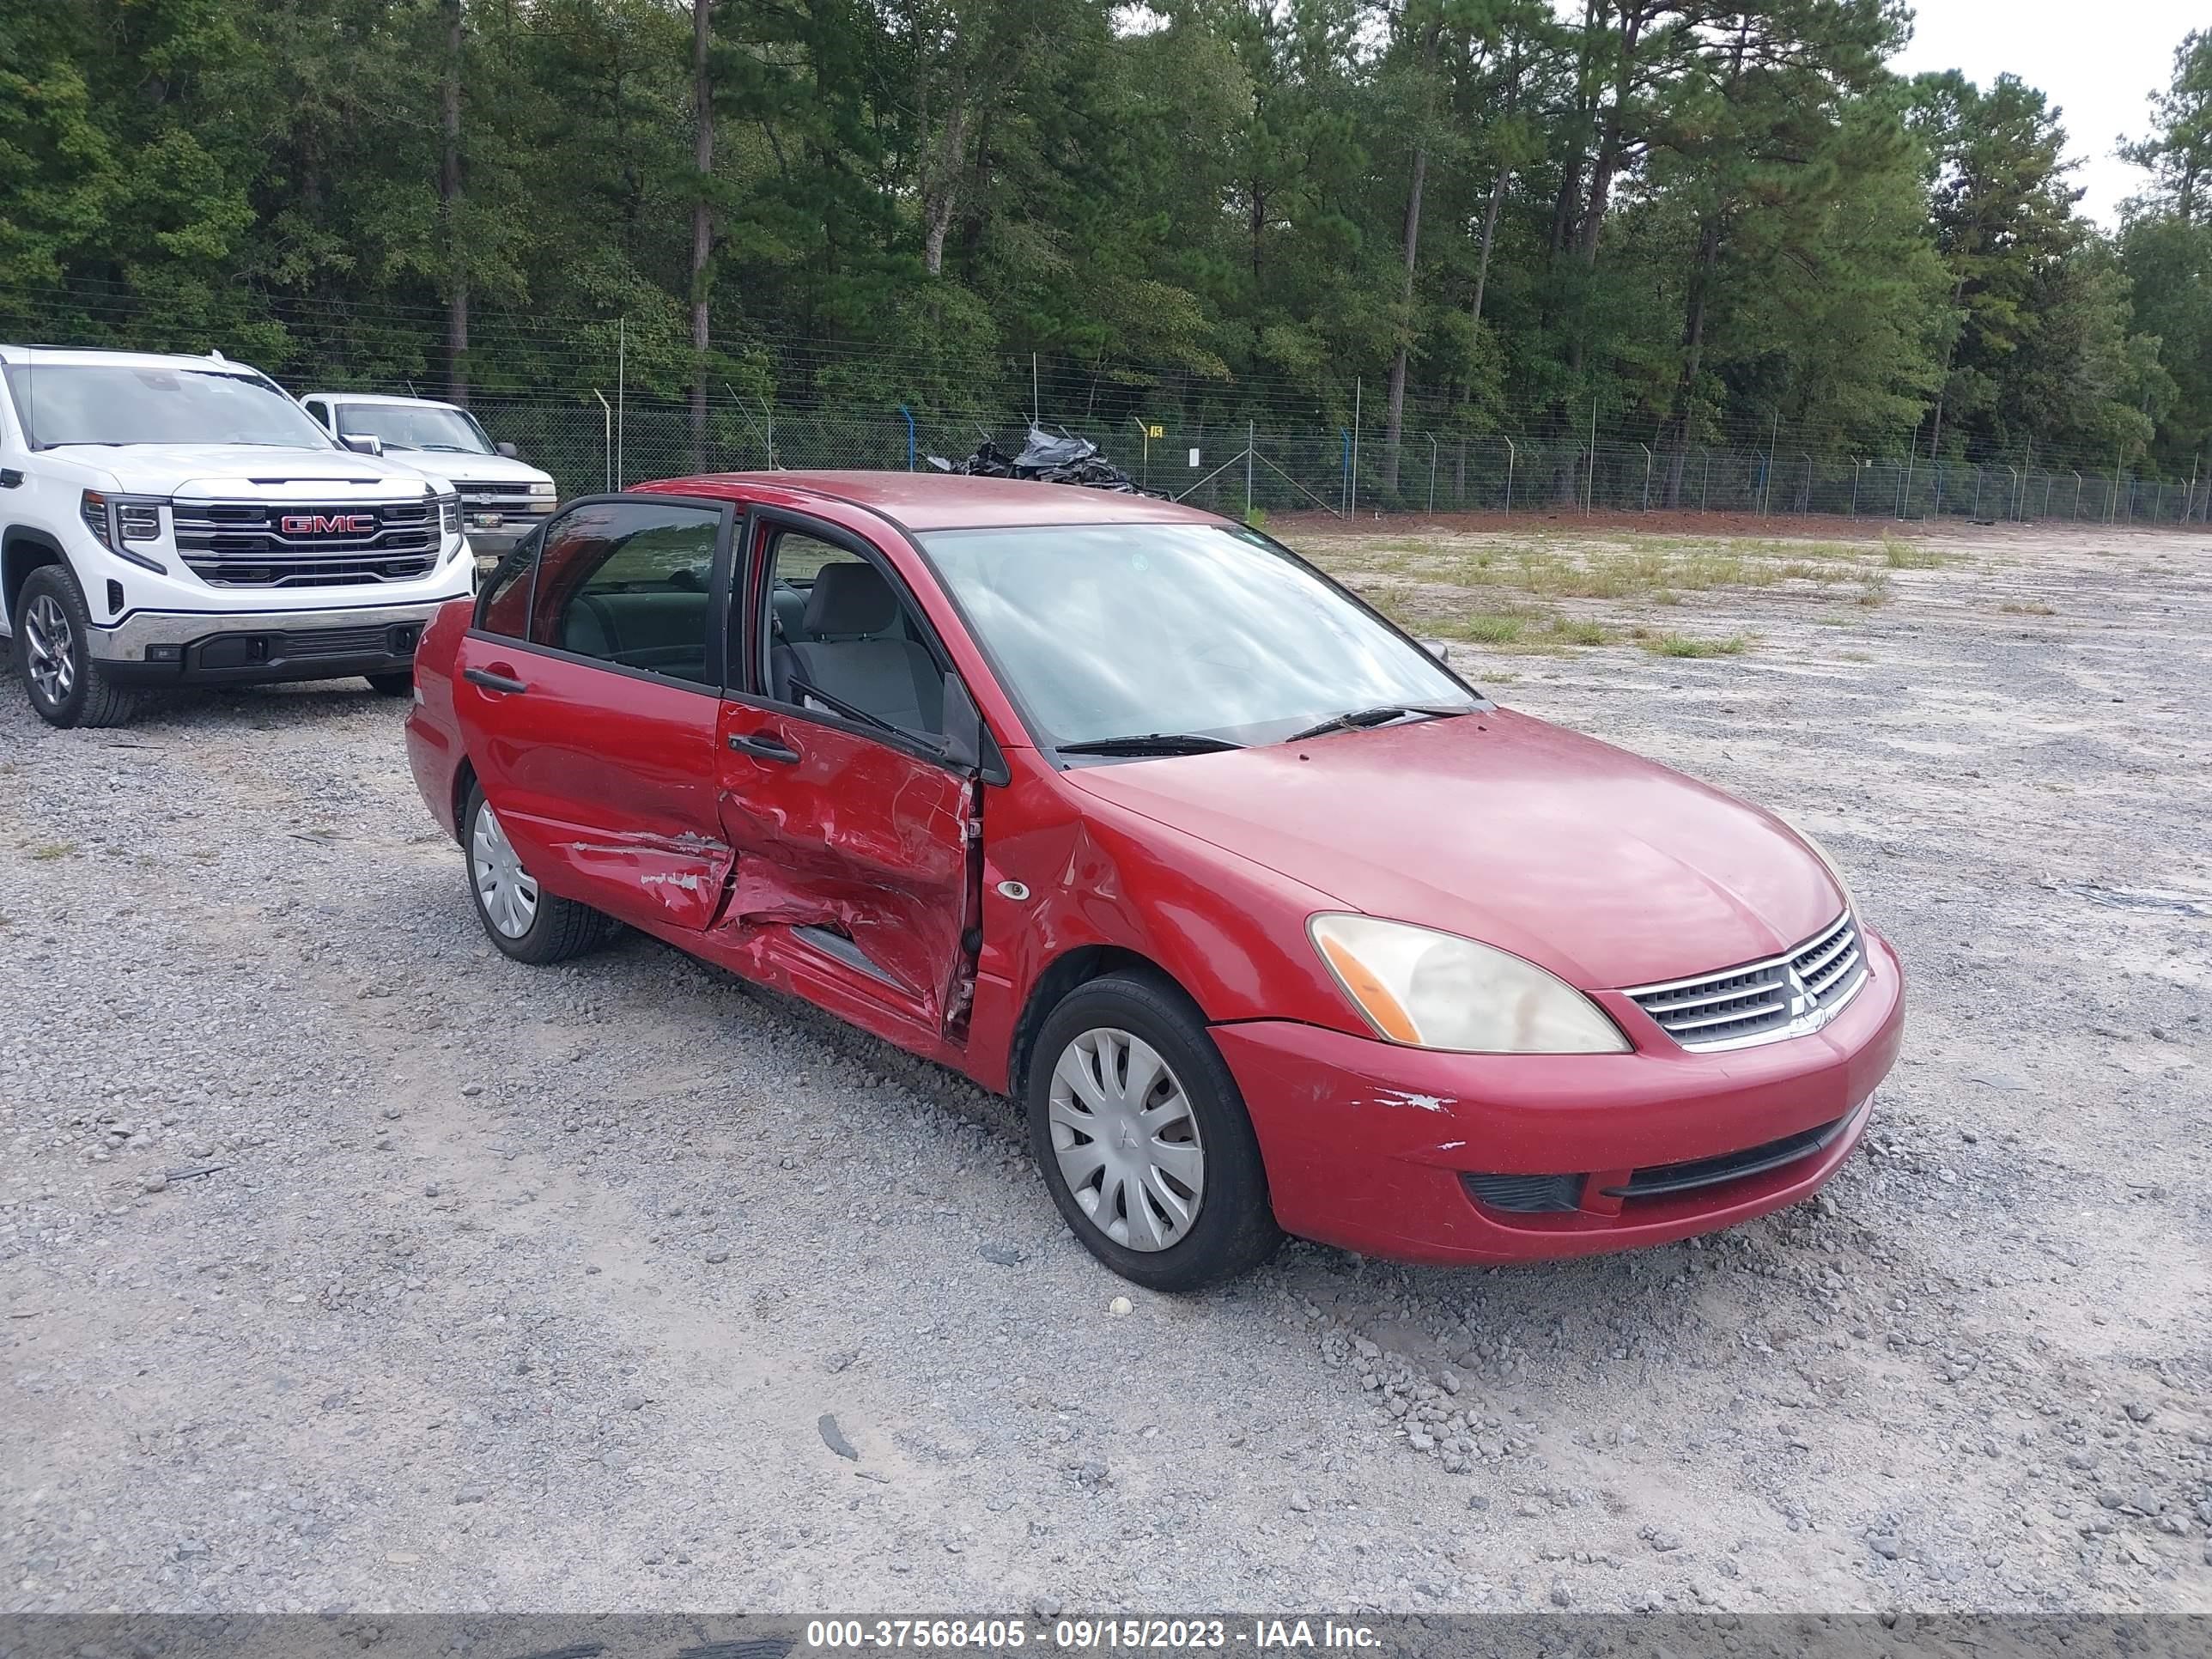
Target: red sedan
column 1270, row 921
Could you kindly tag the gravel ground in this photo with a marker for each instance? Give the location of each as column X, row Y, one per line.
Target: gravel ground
column 345, row 1263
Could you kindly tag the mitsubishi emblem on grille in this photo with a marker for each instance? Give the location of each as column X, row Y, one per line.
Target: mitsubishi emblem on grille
column 1800, row 999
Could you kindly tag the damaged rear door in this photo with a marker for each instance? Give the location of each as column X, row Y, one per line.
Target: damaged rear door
column 855, row 830
column 588, row 694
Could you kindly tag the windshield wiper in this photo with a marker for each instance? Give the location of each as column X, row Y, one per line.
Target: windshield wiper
column 1359, row 719
column 854, row 712
column 1152, row 743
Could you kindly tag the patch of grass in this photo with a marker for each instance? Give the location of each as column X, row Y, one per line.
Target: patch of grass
column 1856, row 656
column 1900, row 555
column 46, row 852
column 1255, row 518
column 1684, row 645
column 2033, row 608
column 1572, row 631
column 1486, row 629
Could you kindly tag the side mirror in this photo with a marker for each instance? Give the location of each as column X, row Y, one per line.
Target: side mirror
column 1437, row 648
column 509, row 450
column 964, row 726
column 967, row 744
column 363, row 443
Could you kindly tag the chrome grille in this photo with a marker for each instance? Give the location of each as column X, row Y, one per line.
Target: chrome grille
column 504, row 498
column 245, row 543
column 1784, row 996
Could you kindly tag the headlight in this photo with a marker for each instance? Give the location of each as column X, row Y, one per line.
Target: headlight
column 1432, row 990
column 118, row 520
column 449, row 514
column 543, row 491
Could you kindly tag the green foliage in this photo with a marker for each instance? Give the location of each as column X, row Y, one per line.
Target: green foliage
column 1697, row 223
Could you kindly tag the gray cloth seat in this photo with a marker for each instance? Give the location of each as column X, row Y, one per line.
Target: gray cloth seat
column 666, row 632
column 854, row 650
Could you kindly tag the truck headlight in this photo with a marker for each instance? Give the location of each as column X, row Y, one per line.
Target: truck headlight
column 543, row 491
column 449, row 514
column 1432, row 990
column 116, row 521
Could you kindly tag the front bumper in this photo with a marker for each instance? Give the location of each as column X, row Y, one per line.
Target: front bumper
column 158, row 649
column 1367, row 1145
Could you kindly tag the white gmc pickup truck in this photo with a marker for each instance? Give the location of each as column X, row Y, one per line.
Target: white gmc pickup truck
column 168, row 521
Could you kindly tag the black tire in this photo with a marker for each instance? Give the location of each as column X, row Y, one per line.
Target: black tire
column 401, row 684
column 562, row 928
column 1234, row 1229
column 90, row 698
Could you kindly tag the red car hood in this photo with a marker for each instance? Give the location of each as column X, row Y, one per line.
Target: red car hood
column 1605, row 868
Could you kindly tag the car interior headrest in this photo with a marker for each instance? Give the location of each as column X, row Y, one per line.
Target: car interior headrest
column 850, row 599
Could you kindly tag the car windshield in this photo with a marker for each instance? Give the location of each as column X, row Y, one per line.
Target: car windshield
column 414, row 426
column 113, row 403
column 1106, row 631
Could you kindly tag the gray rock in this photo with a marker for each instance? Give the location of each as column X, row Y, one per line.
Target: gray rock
column 1000, row 1256
column 834, row 1438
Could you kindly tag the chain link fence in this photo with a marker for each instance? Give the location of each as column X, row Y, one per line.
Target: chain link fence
column 1237, row 471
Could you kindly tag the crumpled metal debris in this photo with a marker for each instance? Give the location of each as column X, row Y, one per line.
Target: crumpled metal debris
column 1044, row 459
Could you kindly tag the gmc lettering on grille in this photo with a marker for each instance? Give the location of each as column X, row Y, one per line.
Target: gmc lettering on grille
column 328, row 524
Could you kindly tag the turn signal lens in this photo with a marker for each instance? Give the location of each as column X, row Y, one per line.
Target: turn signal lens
column 1432, row 990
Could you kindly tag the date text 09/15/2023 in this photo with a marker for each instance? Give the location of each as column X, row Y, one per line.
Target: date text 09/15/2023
column 1088, row 1635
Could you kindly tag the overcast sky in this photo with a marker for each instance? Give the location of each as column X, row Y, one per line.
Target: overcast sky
column 2097, row 60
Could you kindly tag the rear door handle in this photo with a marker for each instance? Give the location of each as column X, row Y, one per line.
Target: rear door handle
column 10, row 478
column 492, row 681
column 767, row 745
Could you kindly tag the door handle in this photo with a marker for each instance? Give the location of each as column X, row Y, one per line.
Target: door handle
column 10, row 478
column 767, row 745
column 492, row 681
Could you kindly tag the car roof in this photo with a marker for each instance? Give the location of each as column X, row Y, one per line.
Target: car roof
column 381, row 397
column 84, row 356
column 939, row 501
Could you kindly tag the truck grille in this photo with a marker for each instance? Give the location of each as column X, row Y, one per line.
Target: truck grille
column 1762, row 1001
column 251, row 544
column 513, row 500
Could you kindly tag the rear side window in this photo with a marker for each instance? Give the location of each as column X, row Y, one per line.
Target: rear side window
column 629, row 583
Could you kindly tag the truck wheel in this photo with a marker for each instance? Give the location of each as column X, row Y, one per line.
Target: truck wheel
column 66, row 683
column 526, row 921
column 401, row 684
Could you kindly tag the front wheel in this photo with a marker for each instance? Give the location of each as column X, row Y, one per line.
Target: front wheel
column 67, row 684
column 522, row 919
column 1143, row 1139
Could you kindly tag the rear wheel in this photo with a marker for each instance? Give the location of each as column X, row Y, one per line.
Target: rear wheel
column 66, row 683
column 401, row 684
column 522, row 919
column 1143, row 1139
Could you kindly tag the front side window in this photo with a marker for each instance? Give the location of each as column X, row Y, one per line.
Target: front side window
column 629, row 583
column 109, row 403
column 415, row 426
column 1104, row 631
column 841, row 637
